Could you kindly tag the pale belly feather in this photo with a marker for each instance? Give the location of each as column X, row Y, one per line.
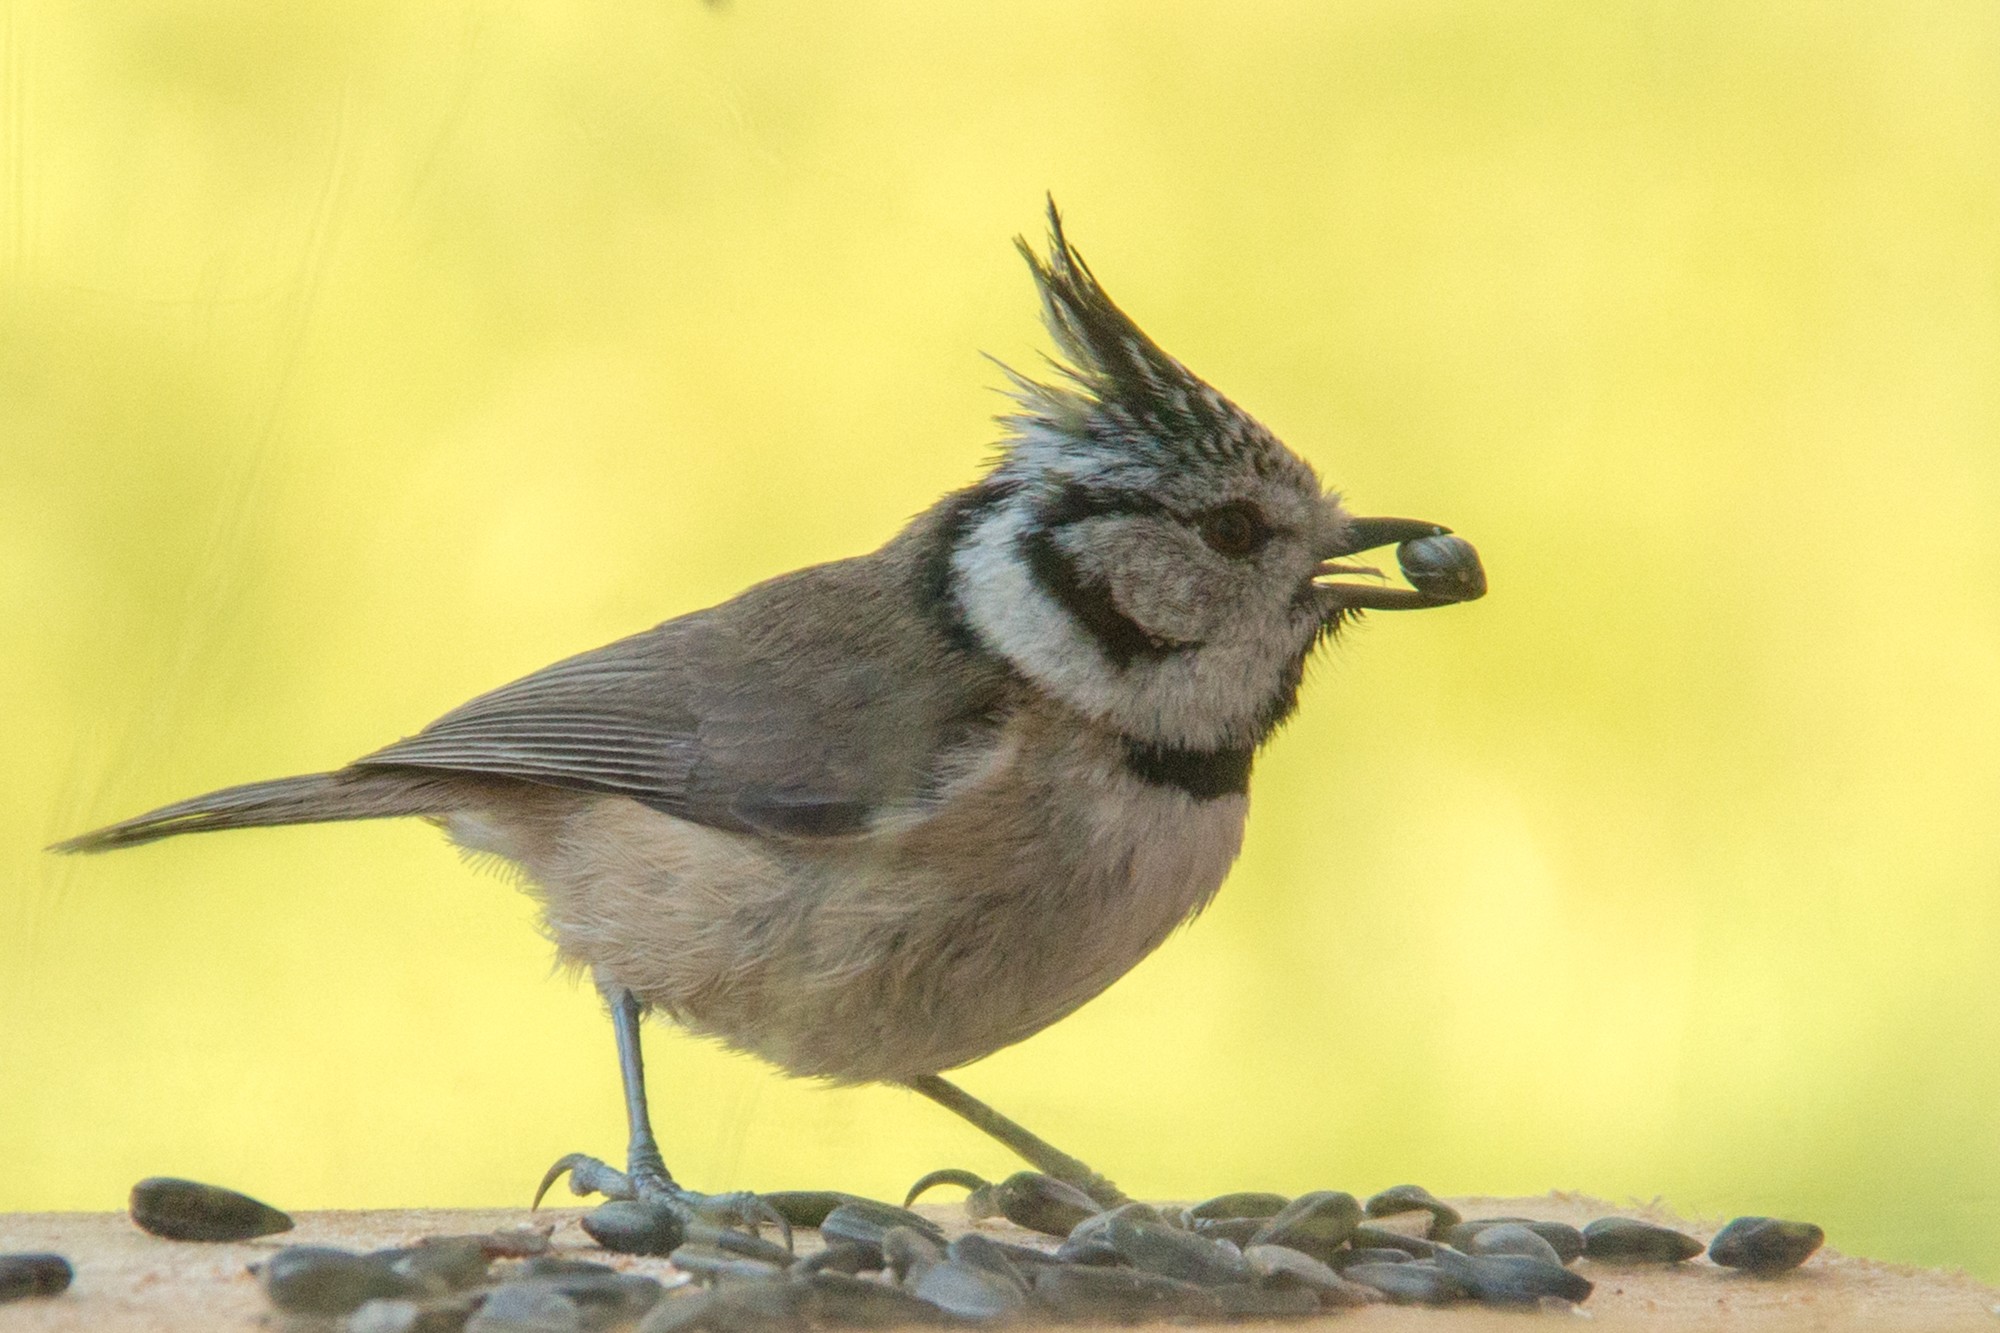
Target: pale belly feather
column 885, row 956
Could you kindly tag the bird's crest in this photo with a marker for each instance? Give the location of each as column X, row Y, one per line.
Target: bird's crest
column 1115, row 388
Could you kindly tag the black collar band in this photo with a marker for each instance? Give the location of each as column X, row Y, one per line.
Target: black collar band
column 1202, row 774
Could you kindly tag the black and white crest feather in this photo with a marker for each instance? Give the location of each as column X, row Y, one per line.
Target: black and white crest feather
column 1117, row 389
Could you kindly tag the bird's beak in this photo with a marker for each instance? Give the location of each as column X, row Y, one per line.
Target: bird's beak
column 1442, row 568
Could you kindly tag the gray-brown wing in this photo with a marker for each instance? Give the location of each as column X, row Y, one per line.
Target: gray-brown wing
column 748, row 721
column 616, row 719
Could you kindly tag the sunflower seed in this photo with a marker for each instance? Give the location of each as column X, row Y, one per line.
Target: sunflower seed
column 1316, row 1224
column 190, row 1210
column 317, row 1279
column 1418, row 1282
column 1512, row 1279
column 23, row 1275
column 628, row 1226
column 1626, row 1240
column 1765, row 1244
column 1411, row 1198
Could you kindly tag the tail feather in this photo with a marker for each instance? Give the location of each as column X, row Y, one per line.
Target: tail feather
column 313, row 798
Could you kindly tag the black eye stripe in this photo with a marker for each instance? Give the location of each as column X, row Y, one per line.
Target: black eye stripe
column 1121, row 639
column 1078, row 501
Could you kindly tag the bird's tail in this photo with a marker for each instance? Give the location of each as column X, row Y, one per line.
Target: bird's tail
column 313, row 798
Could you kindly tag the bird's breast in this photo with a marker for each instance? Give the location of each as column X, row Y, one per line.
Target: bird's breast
column 907, row 952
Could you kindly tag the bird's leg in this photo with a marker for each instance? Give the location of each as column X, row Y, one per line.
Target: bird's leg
column 1037, row 1151
column 645, row 1176
column 644, row 1166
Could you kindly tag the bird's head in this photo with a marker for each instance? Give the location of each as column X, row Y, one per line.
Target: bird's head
column 1152, row 555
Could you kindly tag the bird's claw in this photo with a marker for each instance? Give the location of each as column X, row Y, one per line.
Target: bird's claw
column 947, row 1176
column 740, row 1208
column 587, row 1175
column 590, row 1175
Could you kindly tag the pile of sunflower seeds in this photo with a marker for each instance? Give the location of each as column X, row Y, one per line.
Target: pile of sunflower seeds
column 1250, row 1255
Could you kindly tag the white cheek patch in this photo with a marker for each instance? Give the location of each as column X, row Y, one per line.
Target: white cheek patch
column 1216, row 695
column 1011, row 614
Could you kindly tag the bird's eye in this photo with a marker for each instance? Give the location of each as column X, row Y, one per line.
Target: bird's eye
column 1233, row 529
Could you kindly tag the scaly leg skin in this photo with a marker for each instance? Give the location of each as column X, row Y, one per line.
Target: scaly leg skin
column 645, row 1177
column 1039, row 1152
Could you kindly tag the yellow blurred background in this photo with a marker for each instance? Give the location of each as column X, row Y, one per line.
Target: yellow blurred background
column 357, row 357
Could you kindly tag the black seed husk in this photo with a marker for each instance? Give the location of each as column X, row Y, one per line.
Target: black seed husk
column 1512, row 1279
column 1445, row 565
column 1041, row 1203
column 189, row 1210
column 971, row 1291
column 1368, row 1237
column 741, row 1307
column 1343, row 1260
column 1765, row 1245
column 317, row 1279
column 707, row 1263
column 1626, row 1240
column 1410, row 1198
column 526, row 1307
column 1513, row 1238
column 447, row 1263
column 1316, row 1224
column 1001, row 1256
column 1563, row 1238
column 1171, row 1252
column 1280, row 1265
column 865, row 1222
column 1235, row 1230
column 1090, row 1251
column 33, row 1274
column 841, row 1257
column 1242, row 1205
column 1121, row 1295
column 807, row 1208
column 627, row 1226
column 856, row 1302
column 1418, row 1282
column 1266, row 1301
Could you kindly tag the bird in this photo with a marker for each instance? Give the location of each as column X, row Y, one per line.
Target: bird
column 875, row 819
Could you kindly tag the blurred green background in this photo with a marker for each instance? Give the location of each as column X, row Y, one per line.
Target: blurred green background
column 357, row 357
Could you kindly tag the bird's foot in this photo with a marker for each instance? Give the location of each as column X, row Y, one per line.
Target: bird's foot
column 648, row 1182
